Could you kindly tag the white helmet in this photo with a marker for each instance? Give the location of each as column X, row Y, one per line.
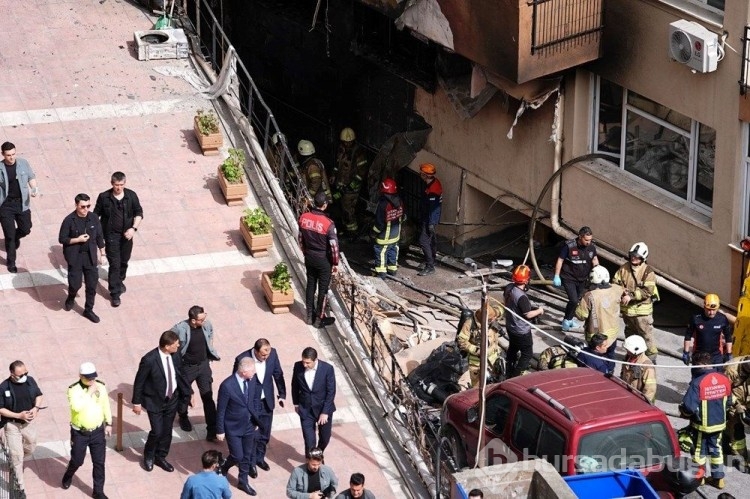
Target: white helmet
column 640, row 250
column 305, row 148
column 278, row 136
column 599, row 275
column 635, row 345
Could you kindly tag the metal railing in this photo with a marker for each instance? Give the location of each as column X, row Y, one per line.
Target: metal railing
column 9, row 488
column 745, row 62
column 558, row 25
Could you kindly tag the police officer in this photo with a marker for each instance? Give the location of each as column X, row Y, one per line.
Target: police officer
column 469, row 339
column 641, row 376
column 320, row 245
column 574, row 264
column 90, row 425
column 347, row 178
column 431, row 206
column 638, row 296
column 516, row 322
column 709, row 332
column 387, row 229
column 314, row 170
column 600, row 309
column 705, row 403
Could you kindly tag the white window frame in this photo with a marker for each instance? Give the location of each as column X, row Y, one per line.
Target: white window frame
column 700, row 9
column 619, row 159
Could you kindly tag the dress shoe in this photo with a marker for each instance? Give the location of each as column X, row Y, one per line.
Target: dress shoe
column 123, row 288
column 225, row 467
column 263, row 465
column 90, row 315
column 426, row 271
column 246, row 488
column 116, row 301
column 12, row 269
column 148, row 464
column 164, row 464
column 185, row 424
column 69, row 304
column 253, row 472
column 100, row 495
column 212, row 439
column 66, row 481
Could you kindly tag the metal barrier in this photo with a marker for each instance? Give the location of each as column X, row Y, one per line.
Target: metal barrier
column 9, row 488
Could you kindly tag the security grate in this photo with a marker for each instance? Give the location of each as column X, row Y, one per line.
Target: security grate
column 745, row 70
column 9, row 488
column 558, row 25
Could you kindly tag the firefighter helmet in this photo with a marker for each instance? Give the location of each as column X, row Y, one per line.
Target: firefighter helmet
column 348, row 135
column 599, row 275
column 305, row 148
column 634, row 344
column 491, row 314
column 388, row 186
column 427, row 168
column 640, row 250
column 521, row 274
column 278, row 137
column 711, row 302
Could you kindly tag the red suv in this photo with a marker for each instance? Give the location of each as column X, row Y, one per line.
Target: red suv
column 578, row 419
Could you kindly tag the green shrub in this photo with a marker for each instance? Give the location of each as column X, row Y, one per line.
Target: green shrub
column 233, row 166
column 208, row 122
column 257, row 221
column 281, row 279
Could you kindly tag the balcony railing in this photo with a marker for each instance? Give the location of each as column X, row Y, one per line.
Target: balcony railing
column 559, row 25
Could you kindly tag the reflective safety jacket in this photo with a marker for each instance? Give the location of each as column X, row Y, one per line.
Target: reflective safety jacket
column 350, row 169
column 641, row 377
column 640, row 283
column 600, row 308
column 432, row 202
column 316, row 178
column 388, row 217
column 706, row 401
column 469, row 339
column 87, row 411
column 317, row 236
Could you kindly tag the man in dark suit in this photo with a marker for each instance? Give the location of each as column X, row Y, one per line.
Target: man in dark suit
column 237, row 421
column 313, row 391
column 80, row 235
column 267, row 372
column 158, row 387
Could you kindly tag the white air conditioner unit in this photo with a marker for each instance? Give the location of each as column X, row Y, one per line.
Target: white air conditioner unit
column 693, row 45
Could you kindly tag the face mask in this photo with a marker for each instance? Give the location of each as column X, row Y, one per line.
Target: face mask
column 20, row 380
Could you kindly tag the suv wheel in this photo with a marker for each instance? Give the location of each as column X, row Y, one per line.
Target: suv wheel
column 451, row 442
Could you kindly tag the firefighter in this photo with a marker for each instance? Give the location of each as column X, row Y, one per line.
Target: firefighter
column 275, row 154
column 313, row 170
column 469, row 339
column 638, row 296
column 387, row 229
column 705, row 404
column 600, row 309
column 574, row 264
column 560, row 356
column 517, row 322
column 641, row 376
column 347, row 178
column 431, row 205
column 738, row 373
column 709, row 332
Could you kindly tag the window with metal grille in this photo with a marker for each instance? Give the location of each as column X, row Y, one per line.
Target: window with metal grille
column 560, row 24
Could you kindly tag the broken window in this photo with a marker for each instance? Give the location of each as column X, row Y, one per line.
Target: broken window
column 655, row 143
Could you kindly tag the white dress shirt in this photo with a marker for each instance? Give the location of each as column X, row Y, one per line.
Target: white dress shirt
column 310, row 375
column 260, row 373
column 166, row 359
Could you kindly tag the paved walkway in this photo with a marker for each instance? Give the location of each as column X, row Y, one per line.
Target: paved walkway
column 79, row 105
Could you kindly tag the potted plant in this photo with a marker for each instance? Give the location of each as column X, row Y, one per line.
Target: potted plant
column 231, row 177
column 207, row 131
column 255, row 227
column 277, row 288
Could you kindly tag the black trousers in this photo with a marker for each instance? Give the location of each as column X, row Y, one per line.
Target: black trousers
column 96, row 442
column 16, row 224
column 428, row 243
column 88, row 272
column 118, row 251
column 202, row 375
column 524, row 344
column 574, row 290
column 160, row 437
column 318, row 271
column 263, row 435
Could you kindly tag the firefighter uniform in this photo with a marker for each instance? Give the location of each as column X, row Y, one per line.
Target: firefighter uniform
column 734, row 434
column 469, row 339
column 320, row 245
column 641, row 377
column 316, row 178
column 600, row 309
column 430, row 208
column 90, row 415
column 387, row 232
column 639, row 284
column 705, row 403
column 555, row 357
column 348, row 175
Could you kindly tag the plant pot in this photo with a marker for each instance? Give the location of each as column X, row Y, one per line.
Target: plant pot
column 210, row 143
column 278, row 301
column 258, row 244
column 234, row 194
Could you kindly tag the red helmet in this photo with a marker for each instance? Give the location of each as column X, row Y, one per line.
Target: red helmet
column 521, row 274
column 388, row 186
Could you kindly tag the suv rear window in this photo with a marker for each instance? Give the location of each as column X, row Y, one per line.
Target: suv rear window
column 634, row 446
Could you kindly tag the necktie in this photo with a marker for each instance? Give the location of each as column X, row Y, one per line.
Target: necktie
column 170, row 388
column 247, row 390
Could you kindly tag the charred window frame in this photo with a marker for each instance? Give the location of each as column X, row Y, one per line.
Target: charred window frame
column 662, row 147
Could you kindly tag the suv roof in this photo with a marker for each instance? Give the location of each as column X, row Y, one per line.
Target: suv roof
column 583, row 394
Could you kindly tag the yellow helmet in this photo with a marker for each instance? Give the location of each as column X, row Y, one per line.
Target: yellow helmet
column 348, row 135
column 711, row 302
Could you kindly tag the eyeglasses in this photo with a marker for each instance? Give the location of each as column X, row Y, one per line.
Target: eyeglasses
column 85, row 206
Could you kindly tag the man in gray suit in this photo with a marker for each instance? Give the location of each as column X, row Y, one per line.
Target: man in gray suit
column 17, row 182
